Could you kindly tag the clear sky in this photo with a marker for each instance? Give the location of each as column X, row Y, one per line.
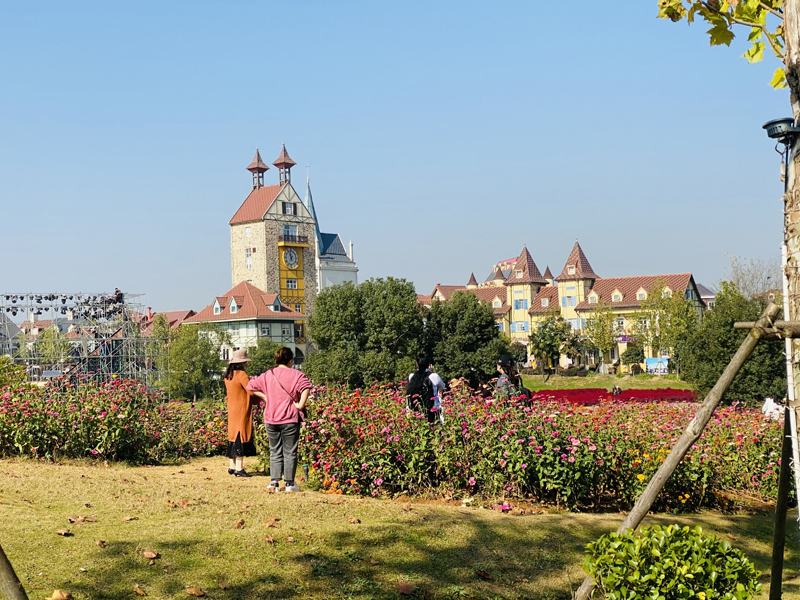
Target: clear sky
column 441, row 137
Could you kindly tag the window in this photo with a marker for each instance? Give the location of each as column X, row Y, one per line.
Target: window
column 233, row 306
column 571, row 270
column 573, row 323
column 297, row 307
column 583, row 323
column 520, row 304
column 246, row 232
column 248, row 258
column 291, row 284
column 290, row 230
column 613, row 354
column 513, row 327
column 621, row 323
column 286, row 329
column 265, row 330
column 518, row 274
column 298, row 331
column 519, row 326
column 593, row 299
column 690, row 294
column 617, row 297
column 572, row 300
column 217, row 308
column 641, row 295
column 496, row 303
column 226, row 354
column 499, row 326
column 289, row 208
column 545, row 302
column 666, row 293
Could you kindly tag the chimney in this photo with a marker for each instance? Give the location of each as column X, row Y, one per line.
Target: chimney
column 351, row 249
column 149, row 313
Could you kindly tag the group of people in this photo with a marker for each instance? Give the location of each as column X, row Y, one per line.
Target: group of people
column 284, row 391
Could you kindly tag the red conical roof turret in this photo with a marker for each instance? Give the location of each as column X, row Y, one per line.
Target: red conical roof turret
column 257, row 166
column 283, row 161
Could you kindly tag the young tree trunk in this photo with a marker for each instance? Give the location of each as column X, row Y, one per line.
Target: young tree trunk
column 10, row 586
column 791, row 232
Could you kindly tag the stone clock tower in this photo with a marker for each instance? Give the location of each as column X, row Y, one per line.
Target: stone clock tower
column 273, row 241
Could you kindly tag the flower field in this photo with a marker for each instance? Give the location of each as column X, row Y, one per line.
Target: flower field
column 598, row 452
column 581, row 449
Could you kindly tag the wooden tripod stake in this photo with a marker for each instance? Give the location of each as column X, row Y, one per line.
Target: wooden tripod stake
column 10, row 586
column 691, row 434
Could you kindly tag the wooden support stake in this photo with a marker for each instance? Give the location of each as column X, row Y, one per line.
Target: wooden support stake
column 691, row 434
column 10, row 586
column 779, row 529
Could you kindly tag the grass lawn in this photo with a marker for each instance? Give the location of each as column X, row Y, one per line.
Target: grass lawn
column 322, row 546
column 557, row 382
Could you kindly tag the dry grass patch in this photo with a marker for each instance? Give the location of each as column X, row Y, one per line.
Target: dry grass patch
column 166, row 529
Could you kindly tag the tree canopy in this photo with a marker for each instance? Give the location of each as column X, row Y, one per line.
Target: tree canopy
column 548, row 339
column 195, row 366
column 601, row 329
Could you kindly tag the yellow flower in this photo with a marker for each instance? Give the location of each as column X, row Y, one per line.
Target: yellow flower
column 701, row 595
column 640, row 477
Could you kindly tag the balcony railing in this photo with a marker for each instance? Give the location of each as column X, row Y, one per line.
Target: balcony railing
column 293, row 239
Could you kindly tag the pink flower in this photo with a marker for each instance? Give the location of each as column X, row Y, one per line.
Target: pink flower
column 502, row 463
column 94, row 451
column 472, row 481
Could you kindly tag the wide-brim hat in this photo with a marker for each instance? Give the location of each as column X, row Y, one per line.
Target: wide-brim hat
column 239, row 356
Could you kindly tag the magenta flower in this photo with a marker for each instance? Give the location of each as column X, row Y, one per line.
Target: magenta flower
column 472, row 481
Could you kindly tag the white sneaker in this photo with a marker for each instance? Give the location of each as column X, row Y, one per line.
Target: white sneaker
column 292, row 488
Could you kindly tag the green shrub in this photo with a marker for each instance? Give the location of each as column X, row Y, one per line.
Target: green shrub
column 666, row 563
column 632, row 355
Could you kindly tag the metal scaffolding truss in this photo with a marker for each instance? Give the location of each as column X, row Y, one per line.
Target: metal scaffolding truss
column 99, row 335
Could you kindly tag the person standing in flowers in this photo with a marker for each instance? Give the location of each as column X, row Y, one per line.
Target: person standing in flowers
column 284, row 391
column 240, row 414
column 422, row 391
column 509, row 383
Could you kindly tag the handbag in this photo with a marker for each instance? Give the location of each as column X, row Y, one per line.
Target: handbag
column 303, row 412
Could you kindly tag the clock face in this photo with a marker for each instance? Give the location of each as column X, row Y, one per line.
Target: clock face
column 290, row 258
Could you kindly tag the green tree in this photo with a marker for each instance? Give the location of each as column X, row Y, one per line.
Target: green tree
column 633, row 355
column 195, row 365
column 462, row 337
column 548, row 339
column 601, row 330
column 160, row 334
column 664, row 319
column 706, row 352
column 367, row 332
column 518, row 352
column 52, row 347
column 262, row 356
column 11, row 373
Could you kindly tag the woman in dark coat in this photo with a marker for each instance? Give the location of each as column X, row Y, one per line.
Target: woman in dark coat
column 240, row 414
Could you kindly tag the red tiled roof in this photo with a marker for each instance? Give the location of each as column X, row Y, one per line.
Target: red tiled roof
column 255, row 305
column 175, row 318
column 257, row 166
column 547, row 273
column 551, row 293
column 447, row 290
column 498, row 274
column 488, row 294
column 424, row 300
column 256, row 204
column 283, row 161
column 577, row 259
column 530, row 272
column 472, row 280
column 27, row 326
column 629, row 286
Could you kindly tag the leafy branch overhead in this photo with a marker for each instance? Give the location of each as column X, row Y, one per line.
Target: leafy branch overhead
column 764, row 19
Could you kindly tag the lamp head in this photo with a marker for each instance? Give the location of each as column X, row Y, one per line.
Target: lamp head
column 782, row 130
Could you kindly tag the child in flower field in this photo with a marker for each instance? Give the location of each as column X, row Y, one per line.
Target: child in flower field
column 240, row 414
column 423, row 390
column 285, row 392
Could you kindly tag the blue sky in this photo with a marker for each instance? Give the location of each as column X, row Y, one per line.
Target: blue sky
column 442, row 136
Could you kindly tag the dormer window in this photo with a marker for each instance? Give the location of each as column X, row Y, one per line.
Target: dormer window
column 233, row 306
column 641, row 295
column 666, row 293
column 519, row 274
column 593, row 299
column 571, row 270
column 545, row 302
column 496, row 303
column 616, row 296
column 276, row 307
column 217, row 308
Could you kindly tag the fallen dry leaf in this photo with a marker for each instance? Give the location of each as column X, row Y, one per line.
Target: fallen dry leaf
column 374, row 562
column 239, row 524
column 130, row 518
column 309, row 534
column 181, row 472
column 60, row 595
column 64, row 532
column 272, row 522
column 406, row 506
column 139, row 591
column 269, row 540
column 354, row 521
column 184, row 503
column 75, row 520
column 224, row 586
column 290, row 540
column 245, row 506
column 271, row 490
column 101, row 543
column 195, row 592
column 339, row 501
column 87, row 505
column 405, row 588
column 150, row 554
column 170, row 503
column 203, row 469
column 90, row 519
column 484, row 574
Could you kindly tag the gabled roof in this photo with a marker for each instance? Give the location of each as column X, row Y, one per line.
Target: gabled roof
column 424, row 300
column 499, row 274
column 577, row 259
column 256, row 304
column 174, row 319
column 629, row 286
column 256, row 204
column 448, row 290
column 331, row 244
column 257, row 166
column 704, row 291
column 551, row 293
column 529, row 271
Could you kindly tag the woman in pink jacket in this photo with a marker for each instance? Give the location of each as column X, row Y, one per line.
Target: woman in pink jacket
column 285, row 392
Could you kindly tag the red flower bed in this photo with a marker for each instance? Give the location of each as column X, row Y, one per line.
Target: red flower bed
column 593, row 396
